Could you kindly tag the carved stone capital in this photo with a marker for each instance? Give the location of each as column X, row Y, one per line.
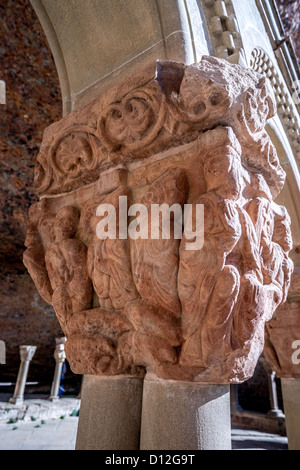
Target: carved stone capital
column 59, row 353
column 282, row 341
column 183, row 137
column 61, row 340
column 27, row 353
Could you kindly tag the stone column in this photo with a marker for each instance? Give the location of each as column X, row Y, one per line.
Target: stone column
column 59, row 356
column 274, row 411
column 282, row 350
column 2, row 92
column 183, row 415
column 2, row 352
column 291, row 400
column 110, row 413
column 26, row 354
column 174, row 297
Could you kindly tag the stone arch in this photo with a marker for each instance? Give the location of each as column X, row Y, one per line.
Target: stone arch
column 97, row 44
column 284, row 130
column 290, row 192
column 287, row 111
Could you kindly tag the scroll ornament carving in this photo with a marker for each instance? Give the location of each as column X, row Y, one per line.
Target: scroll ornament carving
column 131, row 305
column 124, row 126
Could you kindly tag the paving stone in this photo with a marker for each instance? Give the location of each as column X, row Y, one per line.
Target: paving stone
column 38, row 408
column 243, row 439
column 60, row 434
column 55, row 434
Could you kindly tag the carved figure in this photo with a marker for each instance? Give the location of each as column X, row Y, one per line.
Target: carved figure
column 208, row 285
column 66, row 265
column 34, row 256
column 109, row 262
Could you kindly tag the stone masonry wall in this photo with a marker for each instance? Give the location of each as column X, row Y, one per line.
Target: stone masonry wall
column 33, row 102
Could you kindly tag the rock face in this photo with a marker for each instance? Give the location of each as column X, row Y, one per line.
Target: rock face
column 130, row 295
column 32, row 103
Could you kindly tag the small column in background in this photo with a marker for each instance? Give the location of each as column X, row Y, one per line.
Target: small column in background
column 26, row 354
column 60, row 357
column 2, row 352
column 2, row 92
column 275, row 410
column 273, row 396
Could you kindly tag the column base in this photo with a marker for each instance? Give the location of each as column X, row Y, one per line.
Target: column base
column 54, row 399
column 16, row 401
column 110, row 413
column 185, row 416
column 276, row 414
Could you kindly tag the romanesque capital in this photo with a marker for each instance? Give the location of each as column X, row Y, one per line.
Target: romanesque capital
column 27, row 352
column 282, row 334
column 59, row 353
column 133, row 294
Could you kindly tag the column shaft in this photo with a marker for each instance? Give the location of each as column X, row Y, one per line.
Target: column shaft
column 182, row 415
column 26, row 353
column 21, row 382
column 110, row 413
column 56, row 381
column 291, row 403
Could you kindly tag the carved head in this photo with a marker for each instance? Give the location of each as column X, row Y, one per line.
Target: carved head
column 65, row 223
column 74, row 155
column 223, row 173
column 203, row 98
column 259, row 105
column 32, row 234
column 282, row 231
column 267, row 225
column 220, row 153
column 45, row 228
